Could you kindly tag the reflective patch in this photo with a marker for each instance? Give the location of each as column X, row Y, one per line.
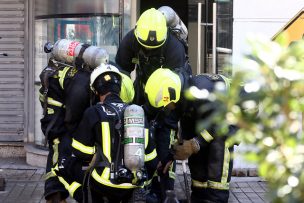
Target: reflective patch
column 104, row 180
column 135, row 60
column 82, row 148
column 206, row 135
column 150, row 156
column 212, row 76
column 72, row 72
column 50, row 111
column 218, row 185
column 199, row 184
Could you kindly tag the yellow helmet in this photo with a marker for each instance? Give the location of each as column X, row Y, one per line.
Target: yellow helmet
column 151, row 29
column 127, row 89
column 163, row 87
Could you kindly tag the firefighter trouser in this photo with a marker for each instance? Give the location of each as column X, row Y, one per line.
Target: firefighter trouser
column 57, row 147
column 211, row 172
column 164, row 182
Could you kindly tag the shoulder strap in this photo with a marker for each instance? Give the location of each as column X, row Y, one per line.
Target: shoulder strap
column 79, row 62
column 105, row 161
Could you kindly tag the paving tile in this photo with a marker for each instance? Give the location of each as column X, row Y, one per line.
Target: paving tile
column 242, row 197
column 254, row 197
column 256, row 187
column 236, row 190
column 28, row 190
column 243, row 184
column 26, row 185
column 247, row 189
column 263, row 184
column 263, row 196
column 232, row 198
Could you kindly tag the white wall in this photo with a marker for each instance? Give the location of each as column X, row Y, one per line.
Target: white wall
column 263, row 17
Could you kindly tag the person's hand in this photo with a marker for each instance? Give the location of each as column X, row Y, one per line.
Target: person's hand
column 164, row 165
column 185, row 150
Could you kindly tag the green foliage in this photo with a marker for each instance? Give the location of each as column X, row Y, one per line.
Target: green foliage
column 269, row 114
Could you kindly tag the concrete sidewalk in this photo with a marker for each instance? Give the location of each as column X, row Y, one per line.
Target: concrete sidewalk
column 24, row 184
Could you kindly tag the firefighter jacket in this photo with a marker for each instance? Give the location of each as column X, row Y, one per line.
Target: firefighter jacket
column 171, row 55
column 192, row 115
column 211, row 167
column 97, row 133
column 64, row 95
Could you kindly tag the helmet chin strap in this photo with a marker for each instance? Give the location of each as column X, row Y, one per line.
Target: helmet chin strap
column 103, row 97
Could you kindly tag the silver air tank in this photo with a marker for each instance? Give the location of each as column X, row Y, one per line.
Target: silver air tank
column 66, row 51
column 174, row 22
column 134, row 137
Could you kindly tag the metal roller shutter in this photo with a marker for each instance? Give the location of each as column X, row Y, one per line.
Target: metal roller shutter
column 12, row 70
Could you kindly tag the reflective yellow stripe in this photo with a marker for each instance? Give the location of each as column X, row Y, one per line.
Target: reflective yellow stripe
column 218, row 186
column 50, row 111
column 66, row 185
column 206, row 135
column 104, row 180
column 148, row 182
column 50, row 101
column 61, row 75
column 106, row 140
column 71, row 188
column 150, row 156
column 135, row 60
column 171, row 174
column 223, row 185
column 172, row 137
column 55, row 149
column 83, row 148
column 199, row 184
column 225, row 165
column 49, row 175
column 146, row 137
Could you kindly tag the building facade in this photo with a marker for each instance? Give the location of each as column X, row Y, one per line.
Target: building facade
column 216, row 29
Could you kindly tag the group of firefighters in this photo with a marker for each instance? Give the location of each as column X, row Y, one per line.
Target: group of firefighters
column 84, row 116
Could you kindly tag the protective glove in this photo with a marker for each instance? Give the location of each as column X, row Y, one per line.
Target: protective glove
column 185, row 150
column 164, row 165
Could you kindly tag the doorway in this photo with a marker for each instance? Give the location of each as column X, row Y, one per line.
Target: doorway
column 208, row 56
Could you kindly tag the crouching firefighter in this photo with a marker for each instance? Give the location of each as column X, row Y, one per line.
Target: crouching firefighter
column 116, row 132
column 209, row 156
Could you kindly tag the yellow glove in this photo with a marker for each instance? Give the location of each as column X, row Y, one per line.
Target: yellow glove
column 185, row 150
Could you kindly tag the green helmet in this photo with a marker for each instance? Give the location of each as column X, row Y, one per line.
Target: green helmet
column 163, row 87
column 151, row 29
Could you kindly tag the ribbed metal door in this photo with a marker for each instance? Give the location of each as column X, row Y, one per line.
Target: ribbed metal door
column 12, row 96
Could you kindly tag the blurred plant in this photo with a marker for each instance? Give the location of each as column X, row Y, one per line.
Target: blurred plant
column 268, row 107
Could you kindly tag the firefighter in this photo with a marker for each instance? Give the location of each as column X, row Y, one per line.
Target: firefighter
column 100, row 131
column 147, row 47
column 210, row 160
column 64, row 96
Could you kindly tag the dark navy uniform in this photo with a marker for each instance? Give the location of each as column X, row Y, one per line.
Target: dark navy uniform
column 171, row 55
column 97, row 133
column 64, row 95
column 211, row 167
